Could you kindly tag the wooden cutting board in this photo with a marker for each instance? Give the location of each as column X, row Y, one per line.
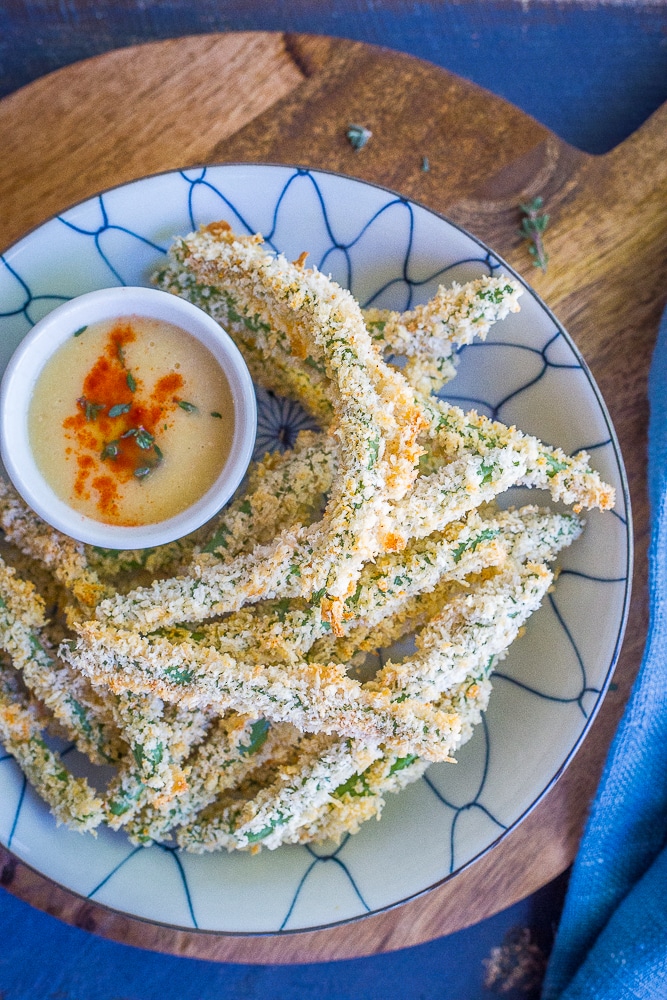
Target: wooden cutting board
column 290, row 98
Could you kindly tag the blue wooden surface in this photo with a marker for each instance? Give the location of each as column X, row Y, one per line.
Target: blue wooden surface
column 592, row 74
column 42, row 959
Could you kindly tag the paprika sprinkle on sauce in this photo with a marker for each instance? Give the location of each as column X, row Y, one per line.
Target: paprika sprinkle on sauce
column 121, row 421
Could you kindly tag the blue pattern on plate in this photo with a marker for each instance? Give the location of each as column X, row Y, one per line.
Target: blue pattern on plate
column 472, row 803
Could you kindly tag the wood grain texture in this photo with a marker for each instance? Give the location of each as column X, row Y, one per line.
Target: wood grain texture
column 133, row 112
column 267, row 97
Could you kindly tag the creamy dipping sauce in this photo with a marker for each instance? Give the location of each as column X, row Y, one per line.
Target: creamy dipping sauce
column 131, row 421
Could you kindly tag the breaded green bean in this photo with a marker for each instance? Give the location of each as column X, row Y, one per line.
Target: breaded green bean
column 234, row 748
column 284, row 490
column 267, row 352
column 284, row 630
column 159, row 737
column 295, row 794
column 62, row 555
column 65, row 693
column 470, row 629
column 569, row 478
column 71, row 800
column 429, row 335
column 312, row 697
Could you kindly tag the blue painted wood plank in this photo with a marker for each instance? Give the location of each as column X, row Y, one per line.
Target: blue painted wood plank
column 590, row 73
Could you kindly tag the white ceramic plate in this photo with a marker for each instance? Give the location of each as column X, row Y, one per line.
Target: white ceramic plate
column 390, row 252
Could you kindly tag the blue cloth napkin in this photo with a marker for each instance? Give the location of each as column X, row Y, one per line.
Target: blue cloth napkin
column 612, row 939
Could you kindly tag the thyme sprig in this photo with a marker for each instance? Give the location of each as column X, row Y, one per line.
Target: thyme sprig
column 151, row 466
column 129, row 378
column 358, row 136
column 91, row 410
column 532, row 229
column 111, row 449
column 119, row 409
column 144, row 439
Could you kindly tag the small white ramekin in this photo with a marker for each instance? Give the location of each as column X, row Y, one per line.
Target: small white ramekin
column 40, row 344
